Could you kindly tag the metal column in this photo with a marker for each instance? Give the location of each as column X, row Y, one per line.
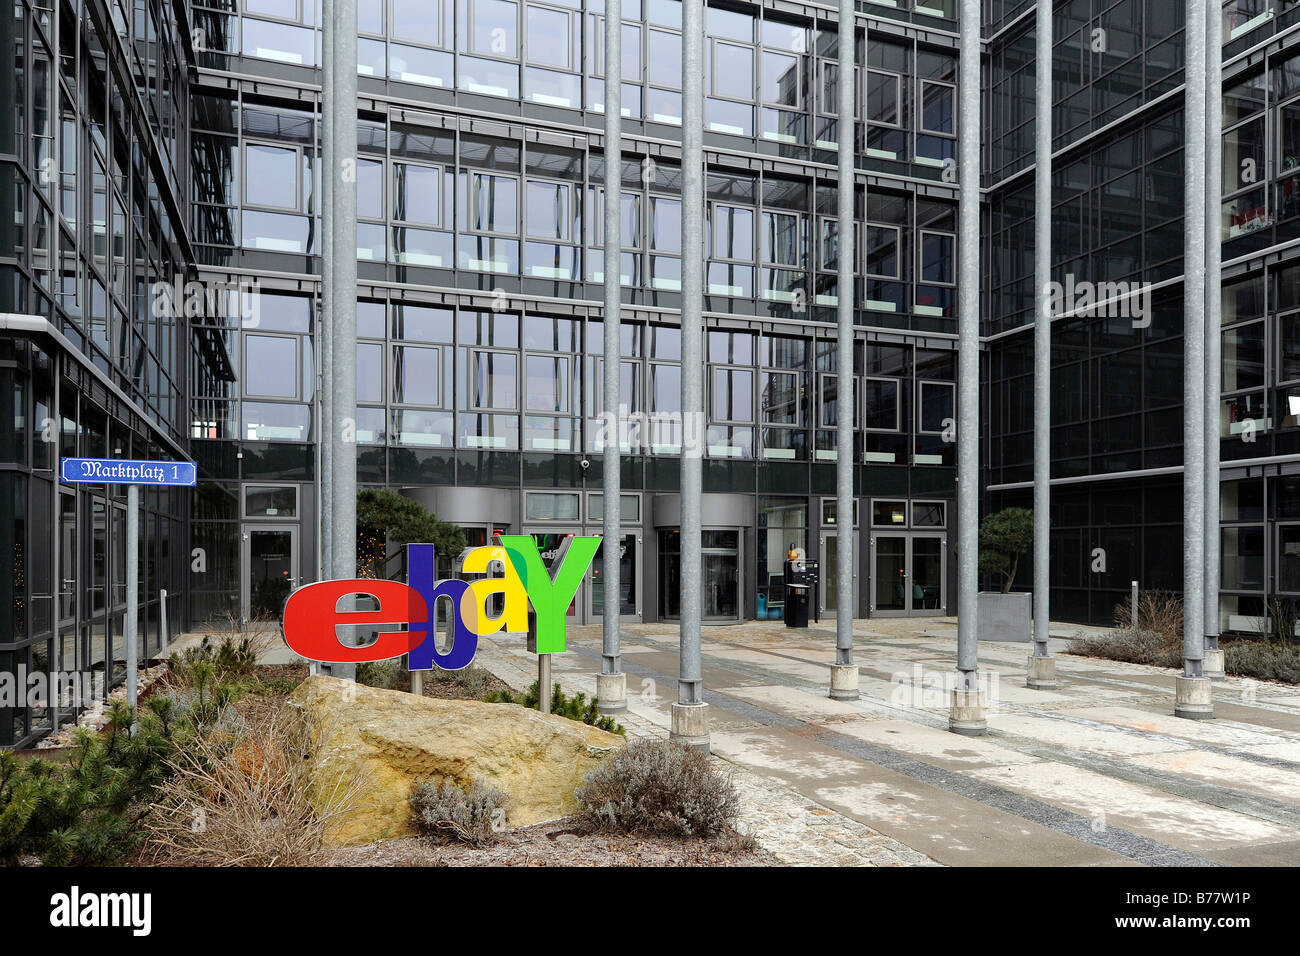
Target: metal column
column 611, row 684
column 340, row 438
column 1042, row 666
column 844, row 676
column 967, row 715
column 1213, row 319
column 1192, row 695
column 689, row 720
column 130, row 627
column 325, row 185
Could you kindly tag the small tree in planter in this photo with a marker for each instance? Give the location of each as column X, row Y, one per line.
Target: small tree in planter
column 1004, row 537
column 383, row 514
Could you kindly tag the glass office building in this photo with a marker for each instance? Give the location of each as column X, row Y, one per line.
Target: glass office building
column 178, row 143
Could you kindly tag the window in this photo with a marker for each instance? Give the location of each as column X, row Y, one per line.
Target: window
column 551, row 506
column 1289, row 345
column 271, row 176
column 493, row 27
column 629, row 507
column 929, row 514
column 881, row 251
column 880, row 411
column 733, row 395
column 417, row 378
column 551, row 214
column 664, row 62
column 547, row 386
column 266, row 359
column 552, row 78
column 263, row 501
column 937, row 264
column 491, row 208
column 493, row 36
column 935, row 404
column 888, row 514
column 493, row 380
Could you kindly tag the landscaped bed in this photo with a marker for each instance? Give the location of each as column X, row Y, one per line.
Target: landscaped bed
column 1156, row 639
column 223, row 772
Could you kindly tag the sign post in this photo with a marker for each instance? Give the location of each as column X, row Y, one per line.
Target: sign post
column 133, row 474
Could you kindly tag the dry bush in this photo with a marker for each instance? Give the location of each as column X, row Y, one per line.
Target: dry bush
column 1132, row 646
column 263, row 633
column 251, row 796
column 1158, row 611
column 474, row 816
column 659, row 787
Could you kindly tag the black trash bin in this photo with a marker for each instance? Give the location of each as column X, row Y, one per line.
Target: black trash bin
column 797, row 594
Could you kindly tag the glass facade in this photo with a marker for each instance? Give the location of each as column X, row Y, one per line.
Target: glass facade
column 163, row 219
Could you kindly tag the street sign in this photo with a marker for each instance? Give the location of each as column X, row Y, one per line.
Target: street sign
column 118, row 471
column 132, row 473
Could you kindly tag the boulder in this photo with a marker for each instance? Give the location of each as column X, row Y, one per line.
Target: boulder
column 395, row 739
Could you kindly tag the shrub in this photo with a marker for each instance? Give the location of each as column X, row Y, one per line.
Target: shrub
column 659, row 787
column 386, row 675
column 87, row 811
column 1135, row 646
column 1263, row 661
column 575, row 708
column 474, row 815
column 473, row 679
column 1158, row 611
column 250, row 796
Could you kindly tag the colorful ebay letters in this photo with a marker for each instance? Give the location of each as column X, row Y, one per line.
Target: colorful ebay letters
column 312, row 616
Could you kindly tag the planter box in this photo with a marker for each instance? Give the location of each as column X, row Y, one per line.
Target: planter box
column 1005, row 617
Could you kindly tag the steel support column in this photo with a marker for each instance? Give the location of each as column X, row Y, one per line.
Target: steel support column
column 1213, row 318
column 844, row 680
column 967, row 715
column 611, row 684
column 689, row 720
column 340, row 439
column 1192, row 697
column 1042, row 666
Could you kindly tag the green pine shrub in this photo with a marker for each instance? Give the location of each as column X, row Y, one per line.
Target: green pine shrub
column 575, row 708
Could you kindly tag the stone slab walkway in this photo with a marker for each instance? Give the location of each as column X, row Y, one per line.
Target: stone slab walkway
column 796, row 830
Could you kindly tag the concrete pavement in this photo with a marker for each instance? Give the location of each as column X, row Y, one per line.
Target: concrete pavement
column 1096, row 773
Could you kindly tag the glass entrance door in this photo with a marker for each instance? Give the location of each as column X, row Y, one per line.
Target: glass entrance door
column 830, row 565
column 720, row 578
column 925, row 563
column 629, row 591
column 908, row 575
column 720, row 566
column 270, row 562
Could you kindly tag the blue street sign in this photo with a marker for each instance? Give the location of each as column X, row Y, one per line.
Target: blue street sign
column 117, row 471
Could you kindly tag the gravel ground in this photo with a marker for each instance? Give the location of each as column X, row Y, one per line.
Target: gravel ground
column 558, row 843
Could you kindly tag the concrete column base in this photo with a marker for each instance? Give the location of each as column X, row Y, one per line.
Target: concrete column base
column 844, row 682
column 1192, row 698
column 967, row 715
column 690, row 725
column 1042, row 673
column 611, row 693
column 1213, row 665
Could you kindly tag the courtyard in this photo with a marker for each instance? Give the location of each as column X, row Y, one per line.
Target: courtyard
column 1096, row 773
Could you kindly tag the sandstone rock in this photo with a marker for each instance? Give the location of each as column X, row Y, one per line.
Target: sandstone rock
column 395, row 739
